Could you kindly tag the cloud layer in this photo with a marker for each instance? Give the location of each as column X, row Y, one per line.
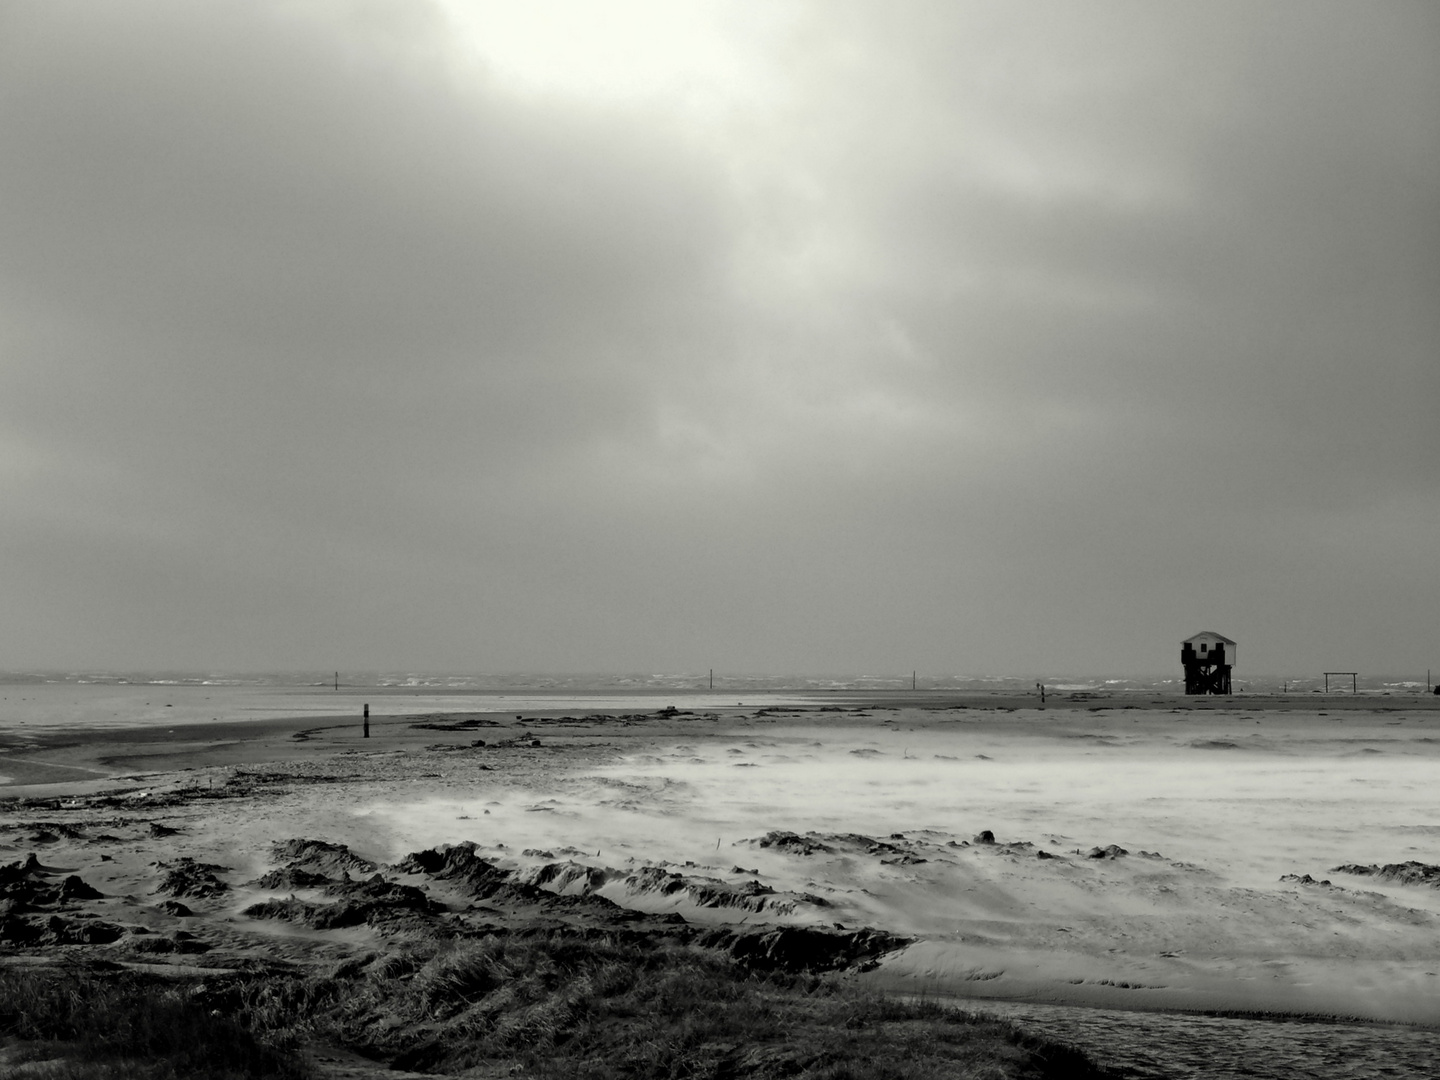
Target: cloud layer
column 961, row 337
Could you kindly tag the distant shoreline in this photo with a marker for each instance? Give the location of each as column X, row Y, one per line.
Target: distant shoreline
column 61, row 756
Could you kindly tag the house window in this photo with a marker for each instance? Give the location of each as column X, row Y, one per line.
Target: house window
column 1204, row 648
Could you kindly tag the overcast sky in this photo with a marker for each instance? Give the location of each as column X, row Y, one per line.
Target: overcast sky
column 770, row 337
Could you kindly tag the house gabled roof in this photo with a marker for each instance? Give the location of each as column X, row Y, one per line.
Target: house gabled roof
column 1208, row 633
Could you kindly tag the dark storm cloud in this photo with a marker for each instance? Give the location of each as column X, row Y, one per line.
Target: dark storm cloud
column 236, row 190
column 988, row 337
column 1191, row 212
column 1182, row 256
column 269, row 290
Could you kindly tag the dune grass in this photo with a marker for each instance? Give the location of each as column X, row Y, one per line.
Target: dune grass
column 563, row 1005
column 544, row 1006
column 77, row 1022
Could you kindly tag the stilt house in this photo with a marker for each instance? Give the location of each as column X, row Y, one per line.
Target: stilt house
column 1208, row 658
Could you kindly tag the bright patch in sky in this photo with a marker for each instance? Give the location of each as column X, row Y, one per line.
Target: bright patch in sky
column 698, row 55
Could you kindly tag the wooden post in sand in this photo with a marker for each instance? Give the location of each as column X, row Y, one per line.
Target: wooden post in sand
column 1354, row 685
column 367, row 721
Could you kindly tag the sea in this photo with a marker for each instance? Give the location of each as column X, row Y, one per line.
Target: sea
column 36, row 702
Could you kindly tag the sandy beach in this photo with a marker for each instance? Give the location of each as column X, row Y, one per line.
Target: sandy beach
column 1149, row 855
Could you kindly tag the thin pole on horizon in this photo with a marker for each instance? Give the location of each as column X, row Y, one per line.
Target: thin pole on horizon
column 712, row 678
column 912, row 679
column 337, row 680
